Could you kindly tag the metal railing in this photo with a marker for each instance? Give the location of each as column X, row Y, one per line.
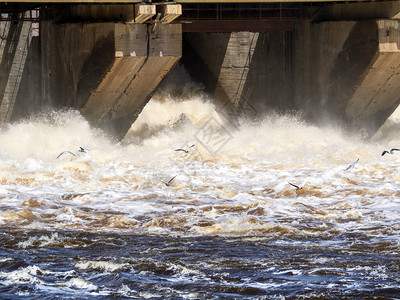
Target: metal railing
column 31, row 15
column 249, row 11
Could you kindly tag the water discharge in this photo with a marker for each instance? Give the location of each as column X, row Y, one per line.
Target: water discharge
column 101, row 224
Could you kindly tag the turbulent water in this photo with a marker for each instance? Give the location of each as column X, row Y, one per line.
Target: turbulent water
column 103, row 224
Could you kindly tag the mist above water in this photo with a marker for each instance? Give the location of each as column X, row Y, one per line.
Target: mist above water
column 245, row 166
column 102, row 223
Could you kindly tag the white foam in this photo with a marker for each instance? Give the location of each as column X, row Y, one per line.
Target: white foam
column 23, row 275
column 242, row 189
column 43, row 241
column 80, row 284
column 101, row 265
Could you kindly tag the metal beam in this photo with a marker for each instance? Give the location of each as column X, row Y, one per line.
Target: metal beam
column 72, row 1
column 236, row 26
column 262, row 1
column 177, row 1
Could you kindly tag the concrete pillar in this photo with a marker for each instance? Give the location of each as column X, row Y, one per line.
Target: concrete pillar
column 377, row 94
column 243, row 69
column 144, row 12
column 342, row 71
column 108, row 70
column 348, row 71
column 235, row 67
column 134, row 75
column 224, row 60
column 169, row 12
column 29, row 98
column 14, row 46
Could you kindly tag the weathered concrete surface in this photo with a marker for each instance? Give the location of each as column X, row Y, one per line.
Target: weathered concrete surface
column 74, row 57
column 235, row 67
column 108, row 70
column 348, row 72
column 337, row 70
column 344, row 71
column 203, row 54
column 242, row 68
column 169, row 12
column 143, row 12
column 359, row 11
column 29, row 100
column 14, row 46
column 377, row 94
column 134, row 75
column 227, row 58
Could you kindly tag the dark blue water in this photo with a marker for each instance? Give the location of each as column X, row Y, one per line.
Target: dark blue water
column 160, row 267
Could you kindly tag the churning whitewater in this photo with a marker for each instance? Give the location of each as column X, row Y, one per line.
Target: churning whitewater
column 102, row 223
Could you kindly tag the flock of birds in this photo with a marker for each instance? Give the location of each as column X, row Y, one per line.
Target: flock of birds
column 168, row 183
column 85, row 150
column 297, row 187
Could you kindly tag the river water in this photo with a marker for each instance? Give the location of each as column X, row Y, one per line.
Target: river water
column 101, row 224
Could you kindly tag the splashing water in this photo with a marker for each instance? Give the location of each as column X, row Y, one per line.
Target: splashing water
column 230, row 225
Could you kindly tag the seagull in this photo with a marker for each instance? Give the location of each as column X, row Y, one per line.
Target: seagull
column 352, row 165
column 69, row 152
column 390, row 152
column 169, row 182
column 81, row 149
column 296, row 186
column 186, row 151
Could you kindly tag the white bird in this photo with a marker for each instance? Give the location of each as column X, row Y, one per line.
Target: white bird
column 169, row 182
column 184, row 150
column 390, row 152
column 296, row 186
column 81, row 149
column 64, row 152
column 352, row 165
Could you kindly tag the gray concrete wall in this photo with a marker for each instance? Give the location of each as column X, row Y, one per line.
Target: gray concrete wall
column 29, row 99
column 339, row 71
column 348, row 72
column 359, row 11
column 15, row 46
column 143, row 59
column 342, row 71
column 74, row 58
column 241, row 67
column 107, row 70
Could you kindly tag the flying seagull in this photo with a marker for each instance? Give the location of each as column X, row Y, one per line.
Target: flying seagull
column 390, row 152
column 81, row 149
column 296, row 186
column 64, row 152
column 352, row 165
column 184, row 150
column 169, row 182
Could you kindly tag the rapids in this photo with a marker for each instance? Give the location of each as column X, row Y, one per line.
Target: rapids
column 102, row 224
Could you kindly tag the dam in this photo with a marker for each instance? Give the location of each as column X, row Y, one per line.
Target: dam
column 328, row 60
column 280, row 203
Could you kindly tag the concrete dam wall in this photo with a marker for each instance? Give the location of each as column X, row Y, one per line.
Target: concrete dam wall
column 341, row 70
column 110, row 70
column 346, row 71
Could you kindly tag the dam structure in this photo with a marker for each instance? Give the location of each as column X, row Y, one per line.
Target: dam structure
column 329, row 60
